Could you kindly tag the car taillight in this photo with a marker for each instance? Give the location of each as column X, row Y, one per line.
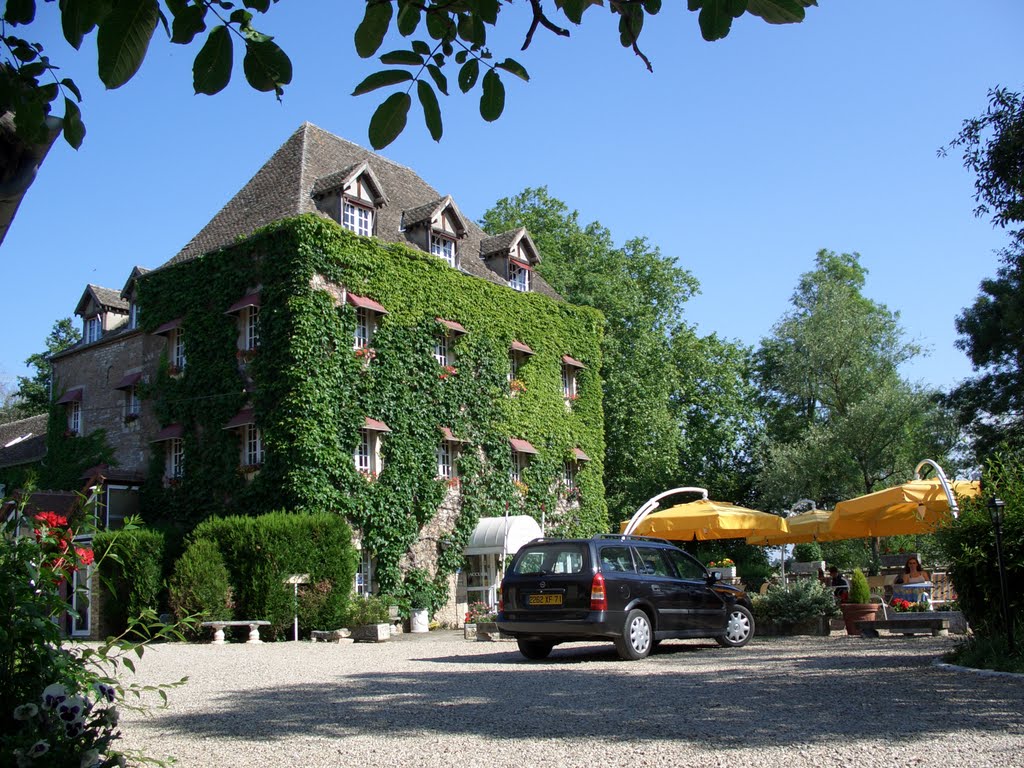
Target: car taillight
column 598, row 598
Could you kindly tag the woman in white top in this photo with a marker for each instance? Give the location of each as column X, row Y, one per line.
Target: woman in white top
column 913, row 573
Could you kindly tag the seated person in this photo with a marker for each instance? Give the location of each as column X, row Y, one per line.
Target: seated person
column 913, row 573
column 840, row 584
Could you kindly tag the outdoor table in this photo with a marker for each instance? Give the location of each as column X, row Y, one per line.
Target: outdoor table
column 919, row 592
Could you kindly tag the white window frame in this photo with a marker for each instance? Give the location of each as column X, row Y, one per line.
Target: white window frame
column 81, row 596
column 367, row 456
column 133, row 315
column 92, row 329
column 250, row 328
column 518, row 277
column 366, row 327
column 175, row 464
column 443, row 246
column 75, row 417
column 519, row 462
column 447, row 451
column 252, row 446
column 443, row 352
column 357, row 217
column 569, row 472
column 176, row 352
column 569, row 384
column 119, row 521
column 132, row 403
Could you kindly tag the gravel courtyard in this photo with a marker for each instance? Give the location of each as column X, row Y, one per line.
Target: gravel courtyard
column 439, row 700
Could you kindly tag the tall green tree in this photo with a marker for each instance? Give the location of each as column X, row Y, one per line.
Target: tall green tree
column 670, row 397
column 842, row 421
column 991, row 331
column 439, row 36
column 33, row 395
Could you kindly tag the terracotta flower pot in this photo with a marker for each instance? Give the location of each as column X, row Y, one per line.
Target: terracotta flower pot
column 854, row 612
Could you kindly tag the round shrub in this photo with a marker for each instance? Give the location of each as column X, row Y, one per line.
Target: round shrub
column 860, row 592
column 199, row 584
column 805, row 600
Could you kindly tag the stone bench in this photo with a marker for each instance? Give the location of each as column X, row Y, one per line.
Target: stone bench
column 917, row 624
column 218, row 629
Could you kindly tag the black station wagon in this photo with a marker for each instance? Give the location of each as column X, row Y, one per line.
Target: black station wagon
column 632, row 590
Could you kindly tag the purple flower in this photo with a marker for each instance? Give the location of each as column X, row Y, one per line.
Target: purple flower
column 53, row 695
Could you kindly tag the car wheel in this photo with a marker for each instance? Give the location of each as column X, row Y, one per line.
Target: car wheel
column 739, row 629
column 637, row 637
column 535, row 649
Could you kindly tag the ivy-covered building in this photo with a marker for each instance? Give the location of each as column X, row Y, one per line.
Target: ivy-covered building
column 340, row 337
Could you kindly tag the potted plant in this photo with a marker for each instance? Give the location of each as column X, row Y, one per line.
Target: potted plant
column 368, row 620
column 859, row 606
column 805, row 608
column 419, row 611
column 725, row 566
column 479, row 613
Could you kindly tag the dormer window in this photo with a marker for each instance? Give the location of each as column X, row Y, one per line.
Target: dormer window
column 368, row 313
column 93, row 329
column 357, row 217
column 443, row 246
column 518, row 276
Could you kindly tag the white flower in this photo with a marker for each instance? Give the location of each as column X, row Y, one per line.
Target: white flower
column 90, row 758
column 104, row 691
column 39, row 748
column 26, row 712
column 111, row 716
column 53, row 695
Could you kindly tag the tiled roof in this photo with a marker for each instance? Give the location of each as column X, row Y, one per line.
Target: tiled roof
column 107, row 298
column 499, row 244
column 23, row 441
column 307, row 161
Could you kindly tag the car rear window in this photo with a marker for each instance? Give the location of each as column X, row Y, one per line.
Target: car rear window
column 563, row 558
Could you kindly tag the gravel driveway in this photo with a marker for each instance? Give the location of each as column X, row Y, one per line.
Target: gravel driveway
column 439, row 700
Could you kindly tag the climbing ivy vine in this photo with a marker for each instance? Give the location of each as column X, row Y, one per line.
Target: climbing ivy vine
column 311, row 393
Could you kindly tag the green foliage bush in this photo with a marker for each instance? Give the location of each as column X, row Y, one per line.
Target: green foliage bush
column 808, row 552
column 368, row 610
column 969, row 546
column 805, row 600
column 132, row 574
column 262, row 552
column 199, row 585
column 860, row 592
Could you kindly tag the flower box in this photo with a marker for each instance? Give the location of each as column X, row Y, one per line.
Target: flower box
column 727, row 571
column 371, row 633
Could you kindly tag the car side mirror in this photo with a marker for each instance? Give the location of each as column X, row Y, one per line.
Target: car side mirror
column 715, row 576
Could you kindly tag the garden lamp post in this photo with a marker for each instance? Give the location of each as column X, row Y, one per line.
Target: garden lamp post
column 995, row 510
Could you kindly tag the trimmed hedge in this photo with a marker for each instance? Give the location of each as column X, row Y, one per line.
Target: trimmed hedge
column 200, row 585
column 131, row 574
column 261, row 552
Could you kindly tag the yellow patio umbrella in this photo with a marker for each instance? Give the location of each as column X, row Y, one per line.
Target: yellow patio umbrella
column 803, row 528
column 705, row 520
column 911, row 508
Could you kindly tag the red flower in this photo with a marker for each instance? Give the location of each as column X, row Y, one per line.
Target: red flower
column 85, row 556
column 52, row 519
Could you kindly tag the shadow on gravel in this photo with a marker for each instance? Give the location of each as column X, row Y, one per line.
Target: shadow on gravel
column 760, row 696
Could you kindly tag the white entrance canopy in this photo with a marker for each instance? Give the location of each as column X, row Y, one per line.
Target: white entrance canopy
column 502, row 535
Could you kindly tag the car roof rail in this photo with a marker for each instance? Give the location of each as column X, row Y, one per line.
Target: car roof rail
column 632, row 537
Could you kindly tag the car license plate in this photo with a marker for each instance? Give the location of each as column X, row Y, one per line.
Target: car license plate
column 548, row 599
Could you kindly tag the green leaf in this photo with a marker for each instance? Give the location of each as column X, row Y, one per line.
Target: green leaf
column 389, row 120
column 439, row 79
column 261, row 6
column 573, row 10
column 188, row 24
column 471, row 29
column 652, row 6
column 492, row 100
column 403, row 58
column 211, row 71
column 266, row 66
column 461, row 56
column 630, row 25
column 382, row 79
column 371, row 30
column 486, row 10
column 129, row 663
column 408, row 17
column 74, row 128
column 68, row 83
column 737, row 8
column 431, row 109
column 468, row 75
column 20, row 11
column 715, row 20
column 439, row 26
column 513, row 66
column 77, row 19
column 421, row 47
column 778, row 11
column 122, row 40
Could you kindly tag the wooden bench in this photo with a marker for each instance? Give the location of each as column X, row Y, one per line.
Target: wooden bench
column 911, row 625
column 218, row 629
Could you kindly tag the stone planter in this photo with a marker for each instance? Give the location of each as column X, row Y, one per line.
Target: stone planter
column 818, row 627
column 854, row 612
column 487, row 631
column 371, row 633
column 727, row 571
column 469, row 631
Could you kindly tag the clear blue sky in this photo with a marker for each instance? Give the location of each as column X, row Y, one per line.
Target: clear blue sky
column 740, row 159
